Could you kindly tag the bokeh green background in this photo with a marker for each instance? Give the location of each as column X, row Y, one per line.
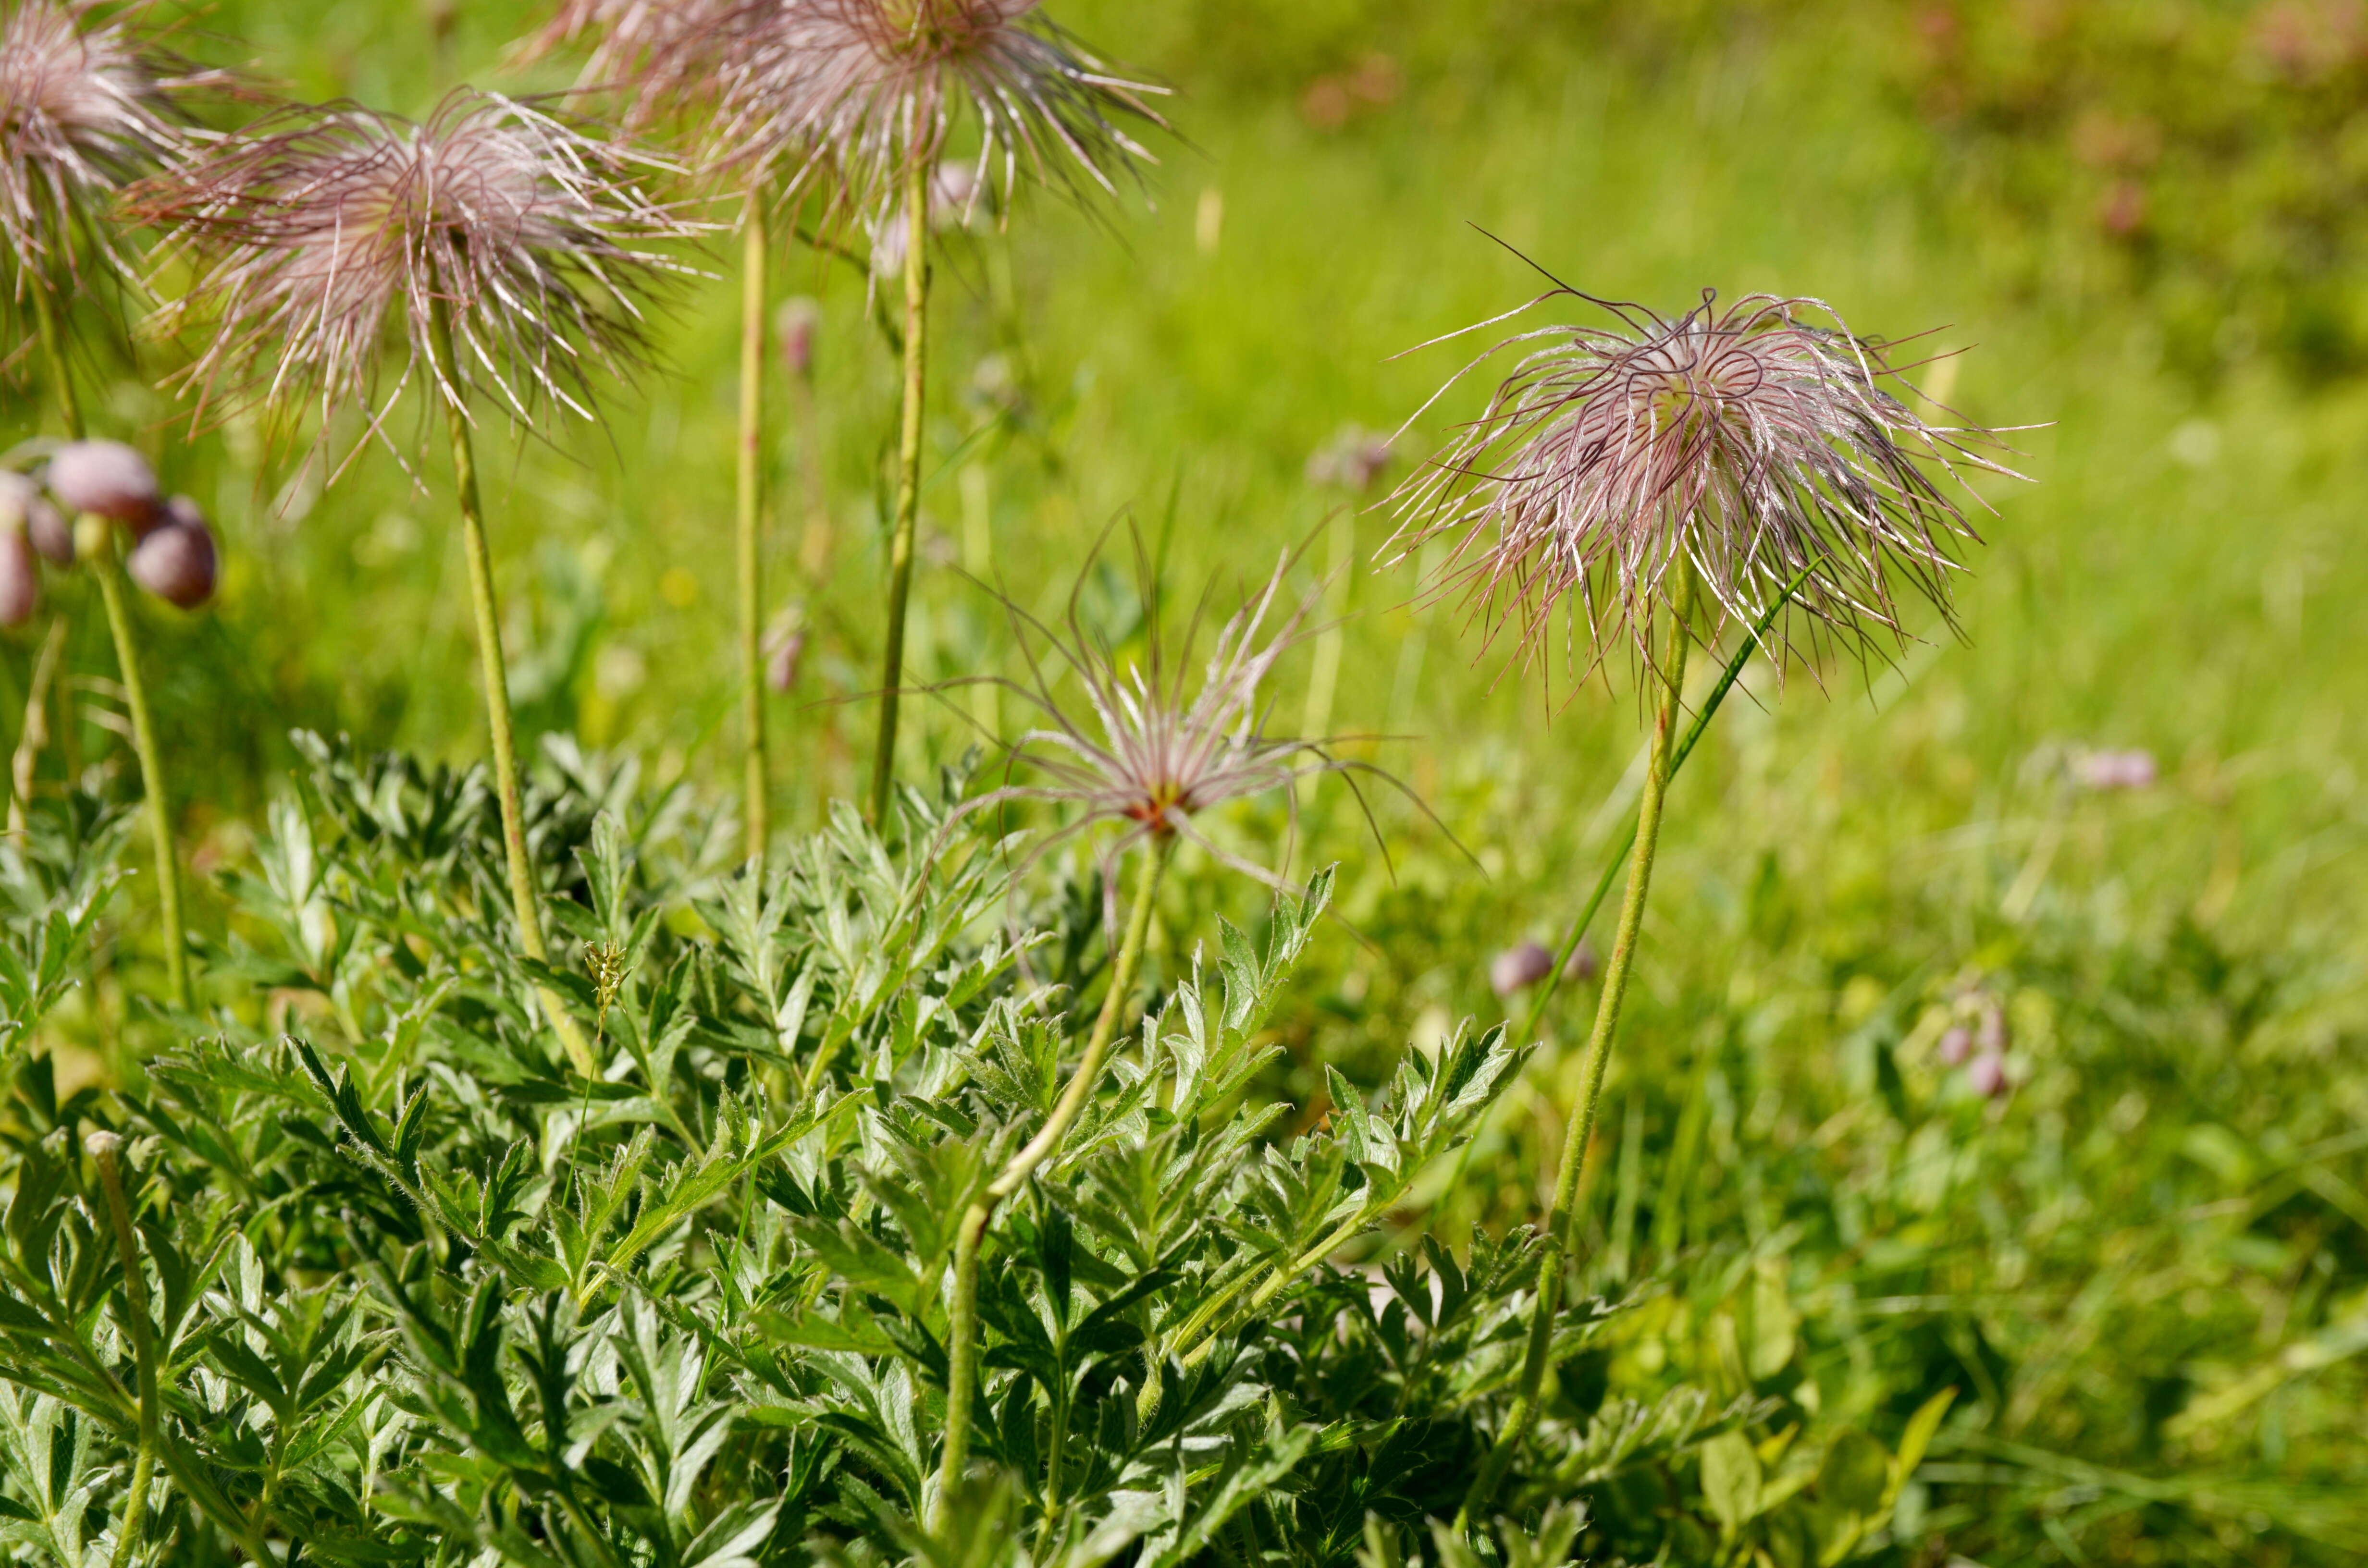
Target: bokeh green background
column 2140, row 222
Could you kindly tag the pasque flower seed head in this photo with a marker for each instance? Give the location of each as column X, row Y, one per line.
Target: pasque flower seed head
column 313, row 228
column 1756, row 441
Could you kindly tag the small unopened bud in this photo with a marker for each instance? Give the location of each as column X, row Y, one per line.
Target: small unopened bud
column 20, row 582
column 2132, row 770
column 796, row 323
column 103, row 1146
column 1956, row 1046
column 50, row 532
column 106, row 478
column 1518, row 969
column 176, row 561
column 1584, row 962
column 1987, row 1075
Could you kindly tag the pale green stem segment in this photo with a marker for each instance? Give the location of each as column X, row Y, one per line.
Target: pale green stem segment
column 524, row 904
column 96, row 540
column 908, row 477
column 1548, row 1301
column 962, row 1326
column 105, row 1148
column 751, row 517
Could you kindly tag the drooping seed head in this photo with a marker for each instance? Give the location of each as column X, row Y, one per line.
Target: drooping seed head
column 655, row 57
column 1753, row 442
column 314, row 228
column 177, row 560
column 106, row 478
column 86, row 105
column 1518, row 969
column 20, row 581
column 844, row 98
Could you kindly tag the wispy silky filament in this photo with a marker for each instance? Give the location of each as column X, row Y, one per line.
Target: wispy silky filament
column 1751, row 441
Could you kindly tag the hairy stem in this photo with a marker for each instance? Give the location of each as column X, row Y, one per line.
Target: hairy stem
column 524, row 903
column 961, row 1327
column 96, row 540
column 106, row 1151
column 1581, row 1130
column 751, row 517
column 908, row 477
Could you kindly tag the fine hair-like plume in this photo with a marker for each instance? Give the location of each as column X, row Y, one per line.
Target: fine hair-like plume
column 842, row 97
column 528, row 236
column 1147, row 750
column 1752, row 441
column 659, row 56
column 86, row 105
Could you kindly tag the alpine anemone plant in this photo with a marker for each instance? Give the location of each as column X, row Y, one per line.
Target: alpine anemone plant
column 851, row 106
column 1134, row 759
column 512, row 253
column 1649, row 480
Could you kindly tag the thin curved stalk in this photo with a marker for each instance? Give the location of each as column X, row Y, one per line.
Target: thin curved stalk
column 106, row 1149
column 524, row 903
column 97, row 536
column 908, row 478
column 751, row 519
column 1581, row 1130
column 35, row 736
column 961, row 1327
column 53, row 350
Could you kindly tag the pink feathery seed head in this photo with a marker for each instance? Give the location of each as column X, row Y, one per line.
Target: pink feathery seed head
column 85, row 106
column 1754, row 442
column 842, row 98
column 657, row 57
column 1142, row 750
column 309, row 231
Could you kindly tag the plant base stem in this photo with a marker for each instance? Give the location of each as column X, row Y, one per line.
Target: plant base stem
column 961, row 1327
column 1581, row 1130
column 908, row 480
column 524, row 903
column 35, row 735
column 750, row 520
column 105, row 567
column 105, row 1148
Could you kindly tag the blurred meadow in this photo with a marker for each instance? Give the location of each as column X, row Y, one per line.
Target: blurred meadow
column 2145, row 1265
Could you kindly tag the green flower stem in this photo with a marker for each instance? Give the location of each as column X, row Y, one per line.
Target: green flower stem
column 751, row 517
column 106, row 1152
column 53, row 350
column 1548, row 1301
column 523, row 901
column 94, row 538
column 909, row 476
column 961, row 1327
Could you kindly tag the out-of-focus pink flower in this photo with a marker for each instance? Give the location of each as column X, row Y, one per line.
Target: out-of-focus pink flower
column 2130, row 769
column 1584, row 962
column 1518, row 969
column 781, row 664
column 177, row 559
column 1956, row 1044
column 1986, row 1075
column 1351, row 460
column 796, row 321
column 20, row 582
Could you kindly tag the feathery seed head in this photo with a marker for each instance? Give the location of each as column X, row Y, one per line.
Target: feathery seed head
column 1146, row 752
column 659, row 56
column 1752, row 441
column 85, row 106
column 320, row 224
column 843, row 97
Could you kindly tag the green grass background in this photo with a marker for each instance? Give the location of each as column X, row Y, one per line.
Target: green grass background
column 2179, row 575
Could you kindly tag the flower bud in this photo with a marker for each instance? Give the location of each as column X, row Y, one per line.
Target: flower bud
column 1516, row 969
column 1956, row 1046
column 106, row 478
column 176, row 560
column 1584, row 962
column 781, row 664
column 51, row 533
column 796, row 321
column 1987, row 1075
column 20, row 584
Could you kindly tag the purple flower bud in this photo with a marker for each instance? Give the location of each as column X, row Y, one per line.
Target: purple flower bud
column 782, row 667
column 795, row 322
column 1584, row 962
column 20, row 585
column 1987, row 1075
column 176, row 562
column 105, row 478
column 51, row 533
column 1516, row 969
column 1956, row 1046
